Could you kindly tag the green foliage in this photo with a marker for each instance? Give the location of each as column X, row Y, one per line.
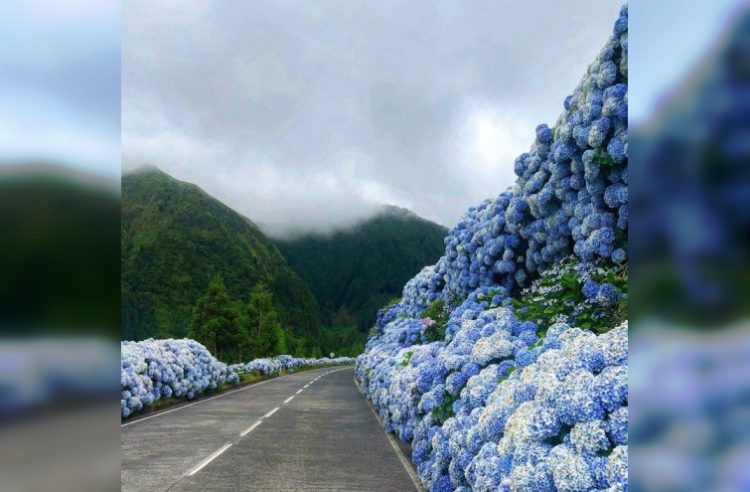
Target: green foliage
column 407, row 358
column 392, row 302
column 437, row 312
column 444, row 411
column 344, row 340
column 604, row 159
column 355, row 271
column 175, row 238
column 510, row 371
column 559, row 438
column 214, row 320
column 557, row 296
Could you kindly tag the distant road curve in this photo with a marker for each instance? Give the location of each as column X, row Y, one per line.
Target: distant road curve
column 311, row 430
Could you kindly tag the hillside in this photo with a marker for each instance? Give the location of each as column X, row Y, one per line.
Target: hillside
column 175, row 238
column 354, row 271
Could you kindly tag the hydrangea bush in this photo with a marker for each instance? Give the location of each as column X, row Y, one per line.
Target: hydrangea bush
column 505, row 363
column 155, row 369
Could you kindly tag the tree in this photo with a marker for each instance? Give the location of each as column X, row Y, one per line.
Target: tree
column 214, row 322
column 300, row 347
column 265, row 334
column 273, row 335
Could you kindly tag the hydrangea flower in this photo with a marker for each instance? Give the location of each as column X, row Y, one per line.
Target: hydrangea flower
column 154, row 369
column 506, row 404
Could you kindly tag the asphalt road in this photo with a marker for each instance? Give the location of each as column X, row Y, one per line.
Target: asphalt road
column 325, row 437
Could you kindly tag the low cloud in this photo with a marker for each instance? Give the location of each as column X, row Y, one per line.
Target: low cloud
column 309, row 115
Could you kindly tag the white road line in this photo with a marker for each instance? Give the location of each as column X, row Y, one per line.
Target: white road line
column 270, row 413
column 288, row 399
column 182, row 407
column 308, row 384
column 299, row 391
column 208, row 460
column 250, row 429
column 406, row 464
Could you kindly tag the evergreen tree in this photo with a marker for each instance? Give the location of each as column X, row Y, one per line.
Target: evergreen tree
column 274, row 338
column 300, row 347
column 266, row 336
column 214, row 322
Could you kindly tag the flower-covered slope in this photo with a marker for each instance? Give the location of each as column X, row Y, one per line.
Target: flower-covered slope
column 156, row 369
column 505, row 363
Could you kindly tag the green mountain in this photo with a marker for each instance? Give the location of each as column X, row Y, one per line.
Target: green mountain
column 175, row 238
column 357, row 270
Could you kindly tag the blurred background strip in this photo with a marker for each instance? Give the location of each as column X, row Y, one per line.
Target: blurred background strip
column 59, row 244
column 690, row 259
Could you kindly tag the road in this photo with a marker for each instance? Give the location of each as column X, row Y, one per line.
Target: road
column 311, row 430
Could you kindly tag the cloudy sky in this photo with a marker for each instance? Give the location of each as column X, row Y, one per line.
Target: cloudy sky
column 306, row 115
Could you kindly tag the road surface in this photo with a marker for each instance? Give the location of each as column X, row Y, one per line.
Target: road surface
column 312, row 430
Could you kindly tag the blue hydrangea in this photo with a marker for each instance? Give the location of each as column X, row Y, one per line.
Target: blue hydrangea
column 607, row 295
column 619, row 256
column 500, row 404
column 155, row 369
column 590, row 289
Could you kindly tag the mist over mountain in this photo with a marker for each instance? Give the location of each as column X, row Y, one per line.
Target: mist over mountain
column 175, row 238
column 353, row 271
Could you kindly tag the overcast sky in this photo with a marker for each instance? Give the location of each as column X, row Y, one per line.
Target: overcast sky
column 306, row 115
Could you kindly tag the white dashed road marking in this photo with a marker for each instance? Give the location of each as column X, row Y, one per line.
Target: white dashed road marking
column 208, row 460
column 271, row 413
column 228, row 445
column 250, row 429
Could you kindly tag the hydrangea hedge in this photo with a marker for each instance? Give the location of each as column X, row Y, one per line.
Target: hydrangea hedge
column 156, row 369
column 505, row 363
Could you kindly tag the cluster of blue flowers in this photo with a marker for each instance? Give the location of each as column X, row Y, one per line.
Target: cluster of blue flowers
column 154, row 369
column 571, row 192
column 500, row 403
column 554, row 417
column 271, row 366
column 496, row 406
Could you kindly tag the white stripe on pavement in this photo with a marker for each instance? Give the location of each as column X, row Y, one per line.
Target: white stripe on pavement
column 208, row 460
column 250, row 429
column 288, row 399
column 271, row 413
column 203, row 400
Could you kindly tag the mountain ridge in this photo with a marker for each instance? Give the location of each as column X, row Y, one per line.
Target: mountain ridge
column 350, row 285
column 168, row 223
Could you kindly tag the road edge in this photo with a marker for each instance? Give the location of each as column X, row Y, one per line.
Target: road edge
column 405, row 460
column 180, row 406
